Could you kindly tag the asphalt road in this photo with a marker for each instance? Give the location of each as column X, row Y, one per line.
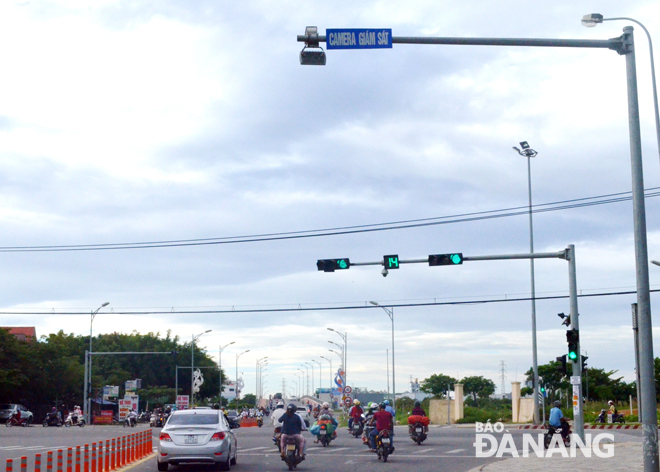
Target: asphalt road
column 447, row 448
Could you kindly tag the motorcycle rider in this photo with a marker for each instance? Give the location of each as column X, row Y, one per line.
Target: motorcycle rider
column 279, row 411
column 355, row 414
column 389, row 408
column 418, row 410
column 384, row 421
column 292, row 425
column 132, row 416
column 557, row 420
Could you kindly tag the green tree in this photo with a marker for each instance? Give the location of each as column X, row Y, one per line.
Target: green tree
column 478, row 386
column 437, row 385
column 550, row 377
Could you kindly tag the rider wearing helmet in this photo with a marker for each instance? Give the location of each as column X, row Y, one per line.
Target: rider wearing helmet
column 557, row 419
column 292, row 426
column 613, row 410
column 418, row 410
column 389, row 408
column 277, row 413
column 384, row 421
column 355, row 414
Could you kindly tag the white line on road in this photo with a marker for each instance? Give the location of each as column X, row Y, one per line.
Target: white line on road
column 252, row 449
column 424, row 451
column 455, row 451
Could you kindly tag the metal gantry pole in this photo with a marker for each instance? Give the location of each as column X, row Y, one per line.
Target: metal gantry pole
column 535, row 363
column 578, row 413
column 647, row 377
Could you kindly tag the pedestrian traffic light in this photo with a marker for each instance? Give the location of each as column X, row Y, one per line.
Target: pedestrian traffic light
column 584, row 362
column 562, row 365
column 391, row 262
column 573, row 338
column 445, row 259
column 330, row 265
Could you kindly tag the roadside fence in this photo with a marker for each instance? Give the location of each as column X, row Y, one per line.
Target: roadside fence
column 105, row 456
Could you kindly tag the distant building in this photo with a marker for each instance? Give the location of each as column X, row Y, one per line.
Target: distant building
column 22, row 333
column 229, row 390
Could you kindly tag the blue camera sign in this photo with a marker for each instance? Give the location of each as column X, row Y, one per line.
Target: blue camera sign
column 358, row 38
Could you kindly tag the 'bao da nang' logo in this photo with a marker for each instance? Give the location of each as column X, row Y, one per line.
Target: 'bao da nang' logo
column 488, row 445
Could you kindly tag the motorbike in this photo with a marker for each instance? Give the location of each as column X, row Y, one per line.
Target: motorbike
column 277, row 435
column 144, row 417
column 551, row 431
column 365, row 435
column 52, row 419
column 384, row 445
column 357, row 428
column 616, row 418
column 324, row 430
column 291, row 456
column 74, row 420
column 260, row 421
column 417, row 433
column 130, row 422
column 13, row 420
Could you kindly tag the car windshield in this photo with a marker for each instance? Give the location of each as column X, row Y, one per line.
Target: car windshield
column 232, row 413
column 196, row 419
column 6, row 406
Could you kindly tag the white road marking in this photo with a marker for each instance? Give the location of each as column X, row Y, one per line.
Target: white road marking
column 252, row 449
column 424, row 451
column 455, row 451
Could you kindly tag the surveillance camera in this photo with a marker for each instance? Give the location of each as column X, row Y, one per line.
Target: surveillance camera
column 384, row 272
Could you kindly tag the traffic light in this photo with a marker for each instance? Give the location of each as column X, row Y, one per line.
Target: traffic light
column 584, row 362
column 391, row 262
column 330, row 265
column 445, row 259
column 573, row 338
column 562, row 365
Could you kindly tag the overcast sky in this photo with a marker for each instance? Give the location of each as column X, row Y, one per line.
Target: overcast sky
column 136, row 122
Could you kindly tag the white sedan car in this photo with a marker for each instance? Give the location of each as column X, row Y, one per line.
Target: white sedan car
column 197, row 437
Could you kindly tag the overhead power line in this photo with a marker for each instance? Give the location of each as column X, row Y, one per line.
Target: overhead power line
column 301, row 308
column 343, row 230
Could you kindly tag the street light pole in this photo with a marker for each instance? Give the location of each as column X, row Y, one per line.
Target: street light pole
column 302, row 386
column 529, row 153
column 258, row 376
column 192, row 365
column 331, row 374
column 306, row 370
column 236, row 386
column 220, row 349
column 320, row 375
column 592, row 20
column 390, row 313
column 87, row 391
column 344, row 337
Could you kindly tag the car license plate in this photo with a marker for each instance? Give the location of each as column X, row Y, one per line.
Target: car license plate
column 419, row 430
column 386, row 440
column 191, row 439
column 323, row 431
column 290, row 447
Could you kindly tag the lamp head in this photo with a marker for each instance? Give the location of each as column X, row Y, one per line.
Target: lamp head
column 592, row 20
column 524, row 145
column 374, row 303
column 105, row 304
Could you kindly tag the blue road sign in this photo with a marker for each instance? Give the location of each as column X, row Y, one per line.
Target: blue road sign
column 358, row 38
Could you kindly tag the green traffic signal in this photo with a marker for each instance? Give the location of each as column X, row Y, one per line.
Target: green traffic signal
column 573, row 339
column 445, row 259
column 330, row 265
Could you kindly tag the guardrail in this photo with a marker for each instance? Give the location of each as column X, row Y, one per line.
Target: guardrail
column 106, row 456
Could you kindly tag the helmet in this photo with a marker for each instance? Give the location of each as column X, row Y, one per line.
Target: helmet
column 382, row 406
column 356, row 402
column 387, row 402
column 326, row 405
column 53, row 409
column 417, row 404
column 373, row 405
column 291, row 407
column 610, row 402
column 557, row 403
